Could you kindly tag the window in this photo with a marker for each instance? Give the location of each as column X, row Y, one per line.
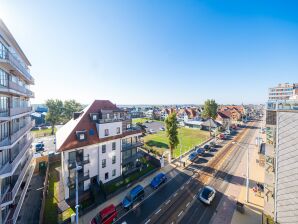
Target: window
column 114, row 146
column 106, row 176
column 82, row 136
column 3, row 78
column 106, row 132
column 114, row 173
column 103, row 163
column 103, row 148
column 128, row 126
column 113, row 159
column 118, row 130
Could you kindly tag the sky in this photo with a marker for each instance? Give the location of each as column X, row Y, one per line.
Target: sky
column 156, row 51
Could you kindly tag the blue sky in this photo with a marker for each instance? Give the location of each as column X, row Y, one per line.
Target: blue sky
column 154, row 51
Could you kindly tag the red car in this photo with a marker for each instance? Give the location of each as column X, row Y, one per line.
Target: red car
column 222, row 136
column 106, row 216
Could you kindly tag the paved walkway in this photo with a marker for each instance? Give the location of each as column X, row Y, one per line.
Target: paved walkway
column 226, row 210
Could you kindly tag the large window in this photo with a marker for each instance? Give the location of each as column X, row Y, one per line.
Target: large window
column 3, row 51
column 113, row 159
column 3, row 130
column 114, row 146
column 3, row 78
column 106, row 132
column 103, row 163
column 3, row 105
column 103, row 148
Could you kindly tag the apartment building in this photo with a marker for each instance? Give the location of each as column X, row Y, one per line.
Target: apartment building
column 100, row 139
column 281, row 166
column 16, row 164
column 283, row 91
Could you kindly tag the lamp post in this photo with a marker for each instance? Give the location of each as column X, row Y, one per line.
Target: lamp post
column 77, row 193
column 247, row 169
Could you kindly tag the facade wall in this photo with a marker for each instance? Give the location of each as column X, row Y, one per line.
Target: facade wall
column 112, row 127
column 286, row 204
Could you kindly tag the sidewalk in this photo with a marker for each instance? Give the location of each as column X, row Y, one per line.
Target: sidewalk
column 236, row 191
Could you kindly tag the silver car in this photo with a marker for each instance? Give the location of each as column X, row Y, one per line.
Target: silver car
column 206, row 195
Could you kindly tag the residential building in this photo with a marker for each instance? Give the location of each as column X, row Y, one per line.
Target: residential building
column 283, row 91
column 16, row 163
column 224, row 118
column 236, row 113
column 102, row 140
column 281, row 166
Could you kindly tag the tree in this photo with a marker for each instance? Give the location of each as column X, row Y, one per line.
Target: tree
column 71, row 106
column 55, row 112
column 210, row 111
column 172, row 131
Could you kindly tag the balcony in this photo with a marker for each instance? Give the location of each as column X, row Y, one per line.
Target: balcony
column 8, row 198
column 81, row 178
column 80, row 162
column 11, row 63
column 132, row 129
column 132, row 158
column 282, row 105
column 111, row 120
column 21, row 89
column 132, row 145
column 9, row 168
column 19, row 110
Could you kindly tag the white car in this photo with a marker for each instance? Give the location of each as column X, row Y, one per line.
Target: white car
column 152, row 131
column 206, row 195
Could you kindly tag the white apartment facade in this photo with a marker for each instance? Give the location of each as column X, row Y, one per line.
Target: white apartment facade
column 102, row 141
column 16, row 157
column 283, row 91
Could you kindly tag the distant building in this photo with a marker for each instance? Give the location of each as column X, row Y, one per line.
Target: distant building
column 283, row 91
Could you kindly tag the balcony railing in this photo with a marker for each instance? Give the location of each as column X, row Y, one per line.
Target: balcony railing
column 133, row 128
column 132, row 145
column 10, row 195
column 19, row 110
column 282, row 105
column 111, row 120
column 21, row 131
column 72, row 163
column 132, row 158
column 81, row 178
column 17, row 65
column 21, row 89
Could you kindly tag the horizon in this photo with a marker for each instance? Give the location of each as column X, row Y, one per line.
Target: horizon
column 141, row 53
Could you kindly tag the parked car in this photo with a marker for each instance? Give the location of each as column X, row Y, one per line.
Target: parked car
column 222, row 136
column 207, row 147
column 158, row 180
column 106, row 216
column 206, row 195
column 162, row 128
column 151, row 131
column 200, row 151
column 212, row 144
column 137, row 193
column 39, row 146
column 192, row 156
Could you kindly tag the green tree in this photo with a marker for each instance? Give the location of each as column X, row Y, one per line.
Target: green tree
column 55, row 112
column 70, row 106
column 210, row 111
column 172, row 131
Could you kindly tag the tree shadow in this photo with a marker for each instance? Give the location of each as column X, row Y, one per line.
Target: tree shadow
column 158, row 144
column 207, row 155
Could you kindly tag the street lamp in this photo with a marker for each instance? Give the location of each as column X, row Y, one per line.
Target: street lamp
column 247, row 168
column 77, row 193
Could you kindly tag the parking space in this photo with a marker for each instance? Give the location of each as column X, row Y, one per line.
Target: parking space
column 154, row 125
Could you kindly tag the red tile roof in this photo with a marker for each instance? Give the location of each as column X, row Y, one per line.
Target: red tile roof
column 66, row 136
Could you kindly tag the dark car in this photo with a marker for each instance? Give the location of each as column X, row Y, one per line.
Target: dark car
column 207, row 147
column 200, row 151
column 39, row 146
column 192, row 156
column 212, row 144
column 158, row 180
column 137, row 193
column 106, row 216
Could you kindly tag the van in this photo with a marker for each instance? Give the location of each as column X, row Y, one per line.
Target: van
column 137, row 193
column 106, row 216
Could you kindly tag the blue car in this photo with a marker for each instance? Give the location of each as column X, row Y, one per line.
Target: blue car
column 137, row 193
column 158, row 180
column 192, row 156
column 200, row 151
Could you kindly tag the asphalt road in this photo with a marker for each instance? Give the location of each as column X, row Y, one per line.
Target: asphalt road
column 154, row 126
column 176, row 191
column 188, row 209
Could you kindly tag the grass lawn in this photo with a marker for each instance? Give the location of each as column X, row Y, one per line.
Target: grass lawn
column 142, row 120
column 189, row 137
column 42, row 132
column 51, row 210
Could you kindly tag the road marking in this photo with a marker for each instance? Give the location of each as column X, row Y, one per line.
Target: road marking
column 157, row 211
column 187, row 204
column 168, row 202
column 180, row 213
column 182, row 188
column 147, row 221
column 188, row 182
column 194, row 196
column 175, row 194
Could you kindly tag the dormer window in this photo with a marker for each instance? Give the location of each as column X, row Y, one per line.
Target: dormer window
column 81, row 136
column 94, row 116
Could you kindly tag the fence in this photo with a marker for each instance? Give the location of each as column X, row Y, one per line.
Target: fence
column 44, row 193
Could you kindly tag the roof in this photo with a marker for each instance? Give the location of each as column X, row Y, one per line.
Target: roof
column 107, row 211
column 211, row 122
column 136, row 189
column 66, row 136
column 224, row 114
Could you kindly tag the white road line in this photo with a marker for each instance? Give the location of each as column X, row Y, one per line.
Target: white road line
column 194, row 196
column 182, row 188
column 147, row 221
column 175, row 194
column 168, row 202
column 180, row 213
column 157, row 211
column 187, row 204
column 188, row 182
